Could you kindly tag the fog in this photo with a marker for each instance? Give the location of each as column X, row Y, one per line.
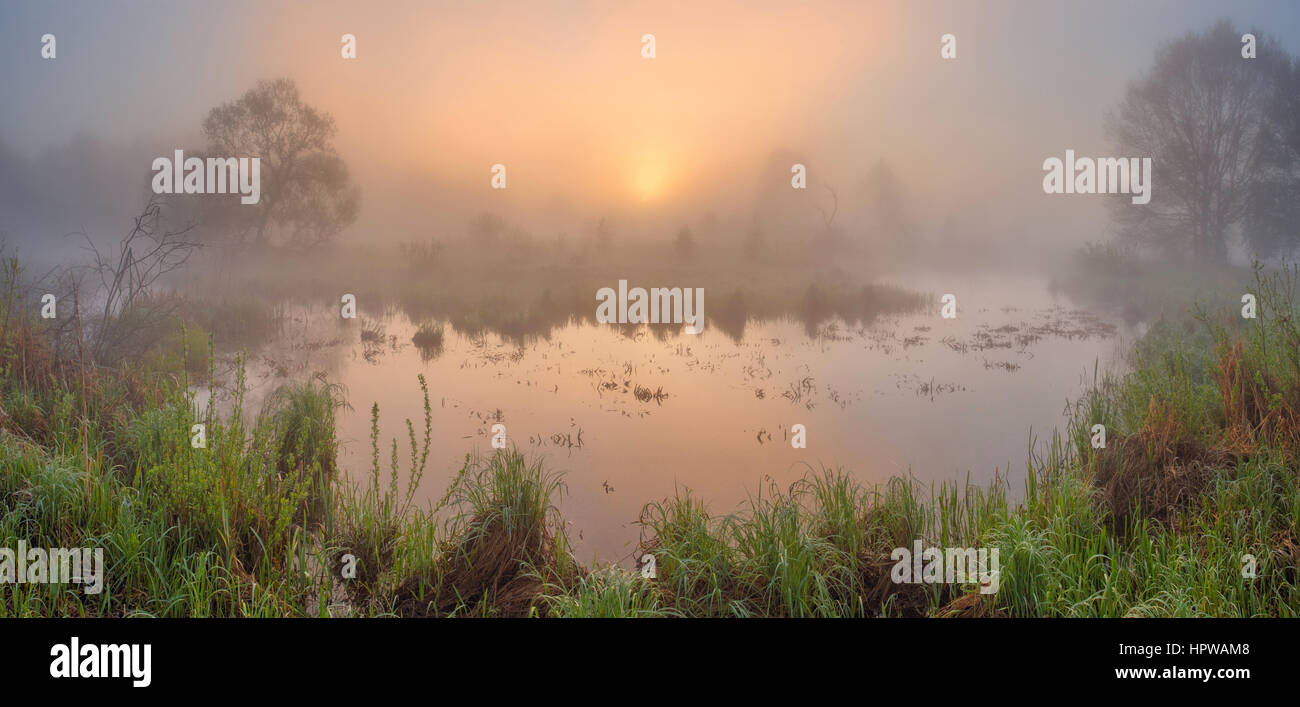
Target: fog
column 587, row 128
column 693, row 250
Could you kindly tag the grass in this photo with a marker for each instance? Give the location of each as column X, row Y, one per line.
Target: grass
column 1199, row 471
column 429, row 340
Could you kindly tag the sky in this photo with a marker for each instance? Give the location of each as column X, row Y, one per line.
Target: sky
column 559, row 92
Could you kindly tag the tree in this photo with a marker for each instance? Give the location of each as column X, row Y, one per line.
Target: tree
column 889, row 217
column 828, row 215
column 131, row 315
column 684, row 244
column 486, row 229
column 604, row 234
column 1272, row 224
column 306, row 190
column 1201, row 115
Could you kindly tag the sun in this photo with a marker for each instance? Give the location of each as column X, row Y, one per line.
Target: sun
column 649, row 180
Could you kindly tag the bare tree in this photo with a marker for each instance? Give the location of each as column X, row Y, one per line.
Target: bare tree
column 128, row 308
column 828, row 217
column 1199, row 114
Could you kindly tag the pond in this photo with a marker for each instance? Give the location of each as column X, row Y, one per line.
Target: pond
column 633, row 414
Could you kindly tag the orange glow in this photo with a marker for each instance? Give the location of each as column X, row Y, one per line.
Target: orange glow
column 569, row 105
column 651, row 179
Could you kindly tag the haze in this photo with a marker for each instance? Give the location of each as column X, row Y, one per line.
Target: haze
column 588, row 129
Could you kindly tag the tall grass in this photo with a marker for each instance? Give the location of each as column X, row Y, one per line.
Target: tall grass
column 1196, row 484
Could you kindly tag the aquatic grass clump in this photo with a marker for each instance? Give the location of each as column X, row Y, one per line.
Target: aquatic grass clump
column 505, row 541
column 693, row 560
column 783, row 568
column 369, row 522
column 302, row 417
column 429, row 340
column 605, row 592
column 822, row 548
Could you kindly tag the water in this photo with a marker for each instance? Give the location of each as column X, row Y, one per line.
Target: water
column 915, row 394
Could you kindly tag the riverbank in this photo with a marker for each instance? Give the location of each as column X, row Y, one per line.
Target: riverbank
column 1192, row 508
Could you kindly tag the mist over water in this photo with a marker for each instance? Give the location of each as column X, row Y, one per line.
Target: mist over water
column 632, row 415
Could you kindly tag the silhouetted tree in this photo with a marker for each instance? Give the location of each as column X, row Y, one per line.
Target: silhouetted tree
column 1272, row 223
column 684, row 245
column 1201, row 115
column 889, row 216
column 486, row 229
column 604, row 234
column 305, row 188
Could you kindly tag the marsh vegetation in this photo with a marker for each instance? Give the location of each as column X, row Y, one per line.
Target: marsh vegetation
column 1200, row 468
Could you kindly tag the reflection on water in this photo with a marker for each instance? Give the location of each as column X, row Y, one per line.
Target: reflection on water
column 630, row 414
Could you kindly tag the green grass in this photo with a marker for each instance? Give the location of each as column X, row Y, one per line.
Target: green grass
column 1199, row 470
